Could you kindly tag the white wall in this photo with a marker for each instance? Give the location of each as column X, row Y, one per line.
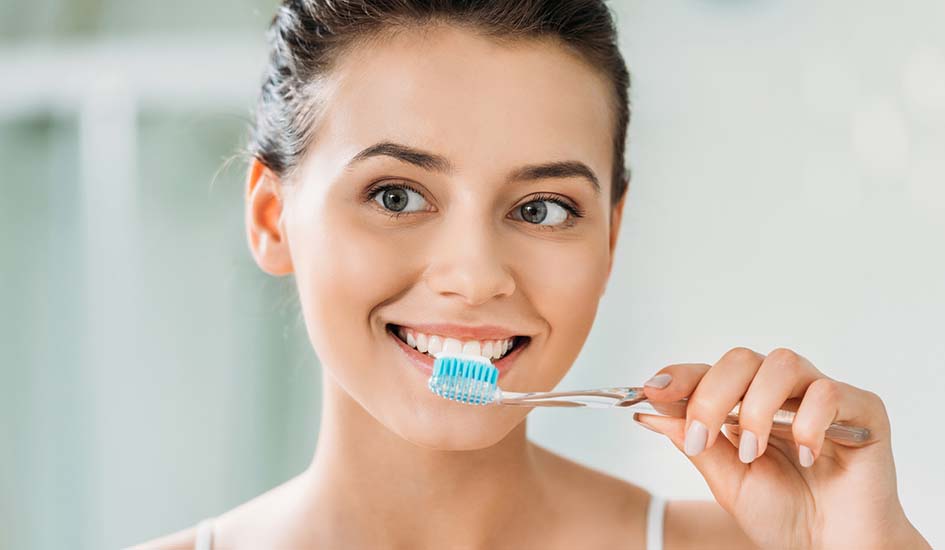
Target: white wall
column 788, row 190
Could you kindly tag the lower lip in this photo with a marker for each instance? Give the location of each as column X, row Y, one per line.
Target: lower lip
column 424, row 362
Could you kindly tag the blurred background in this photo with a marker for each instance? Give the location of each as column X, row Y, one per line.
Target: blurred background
column 788, row 190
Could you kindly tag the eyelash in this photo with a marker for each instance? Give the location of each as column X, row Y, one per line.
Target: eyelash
column 575, row 211
column 373, row 190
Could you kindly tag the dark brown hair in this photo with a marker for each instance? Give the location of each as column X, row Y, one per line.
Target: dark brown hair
column 307, row 36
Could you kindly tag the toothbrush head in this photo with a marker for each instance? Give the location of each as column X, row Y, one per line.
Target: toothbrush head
column 465, row 378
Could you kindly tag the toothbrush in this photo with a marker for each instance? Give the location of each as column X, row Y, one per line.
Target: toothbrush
column 473, row 379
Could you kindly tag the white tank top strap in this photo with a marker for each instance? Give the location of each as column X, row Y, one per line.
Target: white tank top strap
column 204, row 540
column 654, row 523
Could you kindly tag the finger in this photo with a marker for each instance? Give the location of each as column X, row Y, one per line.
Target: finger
column 718, row 392
column 827, row 401
column 783, row 374
column 732, row 433
column 719, row 465
column 674, row 382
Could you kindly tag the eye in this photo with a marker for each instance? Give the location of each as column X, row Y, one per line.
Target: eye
column 398, row 198
column 547, row 211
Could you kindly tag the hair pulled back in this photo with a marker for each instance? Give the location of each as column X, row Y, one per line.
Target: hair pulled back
column 306, row 37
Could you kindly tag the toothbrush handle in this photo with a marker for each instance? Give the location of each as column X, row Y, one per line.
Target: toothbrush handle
column 783, row 419
column 634, row 398
column 781, row 423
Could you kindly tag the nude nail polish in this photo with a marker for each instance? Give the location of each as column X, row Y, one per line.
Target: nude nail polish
column 696, row 438
column 747, row 446
column 805, row 456
column 659, row 381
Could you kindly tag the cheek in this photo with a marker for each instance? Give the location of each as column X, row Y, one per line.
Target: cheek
column 564, row 279
column 564, row 282
column 343, row 271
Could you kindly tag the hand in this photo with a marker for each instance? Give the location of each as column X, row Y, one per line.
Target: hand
column 806, row 493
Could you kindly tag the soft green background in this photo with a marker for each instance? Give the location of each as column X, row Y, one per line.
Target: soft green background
column 789, row 190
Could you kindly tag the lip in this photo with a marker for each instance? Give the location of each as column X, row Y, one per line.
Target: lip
column 460, row 332
column 424, row 362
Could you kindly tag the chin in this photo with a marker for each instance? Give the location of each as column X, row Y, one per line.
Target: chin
column 458, row 430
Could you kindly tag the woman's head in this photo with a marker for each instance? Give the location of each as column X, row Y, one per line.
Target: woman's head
column 442, row 166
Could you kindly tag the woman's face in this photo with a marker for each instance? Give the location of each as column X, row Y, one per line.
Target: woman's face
column 439, row 196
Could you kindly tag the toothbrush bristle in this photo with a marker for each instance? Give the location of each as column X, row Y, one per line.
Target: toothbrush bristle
column 465, row 380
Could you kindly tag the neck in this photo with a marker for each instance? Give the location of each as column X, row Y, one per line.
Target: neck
column 375, row 483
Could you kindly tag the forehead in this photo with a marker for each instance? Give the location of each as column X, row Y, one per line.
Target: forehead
column 486, row 105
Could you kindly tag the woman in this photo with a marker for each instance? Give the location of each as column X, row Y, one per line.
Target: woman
column 436, row 171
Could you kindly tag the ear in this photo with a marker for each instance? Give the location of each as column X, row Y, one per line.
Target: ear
column 264, row 229
column 616, row 216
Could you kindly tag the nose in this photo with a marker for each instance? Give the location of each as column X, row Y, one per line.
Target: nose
column 466, row 262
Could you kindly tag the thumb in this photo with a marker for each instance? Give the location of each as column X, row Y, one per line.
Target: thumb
column 719, row 464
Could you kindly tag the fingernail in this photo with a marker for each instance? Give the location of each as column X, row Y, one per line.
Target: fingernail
column 637, row 420
column 747, row 446
column 696, row 437
column 659, row 381
column 806, row 456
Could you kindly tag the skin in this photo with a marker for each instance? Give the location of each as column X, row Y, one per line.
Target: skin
column 845, row 498
column 395, row 465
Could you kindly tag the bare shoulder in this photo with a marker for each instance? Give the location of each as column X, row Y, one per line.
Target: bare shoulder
column 703, row 525
column 236, row 524
column 597, row 484
column 596, row 504
column 617, row 509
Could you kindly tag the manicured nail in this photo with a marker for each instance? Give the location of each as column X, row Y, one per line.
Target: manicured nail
column 659, row 381
column 806, row 456
column 696, row 437
column 747, row 446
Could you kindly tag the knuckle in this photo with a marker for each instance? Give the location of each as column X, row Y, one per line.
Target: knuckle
column 752, row 413
column 825, row 389
column 740, row 354
column 875, row 400
column 784, row 357
column 704, row 408
column 804, row 433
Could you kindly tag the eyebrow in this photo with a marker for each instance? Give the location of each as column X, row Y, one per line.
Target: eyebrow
column 438, row 163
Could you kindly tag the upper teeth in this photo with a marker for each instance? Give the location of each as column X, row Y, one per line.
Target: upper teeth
column 432, row 343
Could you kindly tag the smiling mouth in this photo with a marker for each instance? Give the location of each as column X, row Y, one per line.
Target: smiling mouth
column 429, row 344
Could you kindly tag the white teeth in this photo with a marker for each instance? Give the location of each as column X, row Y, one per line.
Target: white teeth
column 422, row 343
column 451, row 345
column 432, row 344
column 471, row 348
column 436, row 345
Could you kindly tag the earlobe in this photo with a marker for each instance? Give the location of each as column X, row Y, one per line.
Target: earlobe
column 264, row 229
column 263, row 243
